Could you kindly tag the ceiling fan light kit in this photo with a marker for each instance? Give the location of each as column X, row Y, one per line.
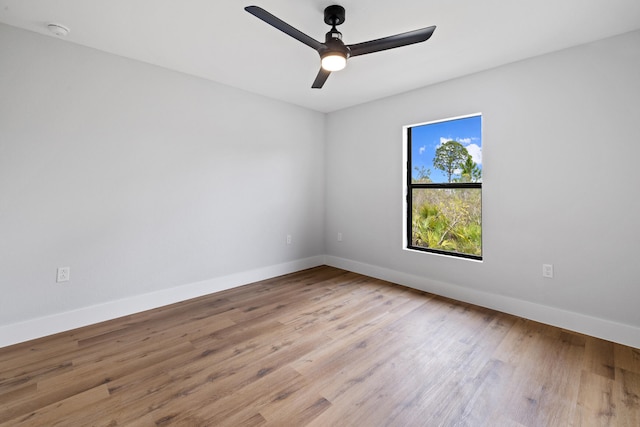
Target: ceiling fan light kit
column 333, row 61
column 334, row 55
column 333, row 52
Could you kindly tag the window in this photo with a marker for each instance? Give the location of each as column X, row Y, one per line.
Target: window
column 444, row 187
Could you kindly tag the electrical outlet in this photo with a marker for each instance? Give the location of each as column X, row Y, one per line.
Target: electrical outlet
column 339, row 237
column 547, row 270
column 64, row 274
column 288, row 239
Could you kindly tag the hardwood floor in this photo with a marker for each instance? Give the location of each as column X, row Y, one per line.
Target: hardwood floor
column 322, row 347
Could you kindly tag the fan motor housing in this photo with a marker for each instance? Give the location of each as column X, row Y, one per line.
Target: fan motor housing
column 334, row 45
column 334, row 15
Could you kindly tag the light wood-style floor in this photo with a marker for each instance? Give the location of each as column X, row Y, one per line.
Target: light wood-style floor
column 322, row 347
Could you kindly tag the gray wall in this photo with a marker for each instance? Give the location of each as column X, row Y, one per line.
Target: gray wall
column 146, row 182
column 560, row 159
column 142, row 179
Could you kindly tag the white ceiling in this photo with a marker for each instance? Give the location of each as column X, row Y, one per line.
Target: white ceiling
column 218, row 40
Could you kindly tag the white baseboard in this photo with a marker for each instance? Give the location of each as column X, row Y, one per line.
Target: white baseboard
column 588, row 325
column 60, row 322
column 43, row 326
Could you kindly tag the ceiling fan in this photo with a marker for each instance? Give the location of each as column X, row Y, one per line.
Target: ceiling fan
column 333, row 52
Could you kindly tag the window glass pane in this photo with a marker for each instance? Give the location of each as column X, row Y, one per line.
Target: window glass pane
column 447, row 151
column 447, row 219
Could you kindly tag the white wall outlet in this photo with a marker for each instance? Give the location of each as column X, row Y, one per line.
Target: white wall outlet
column 547, row 270
column 288, row 239
column 64, row 274
column 339, row 237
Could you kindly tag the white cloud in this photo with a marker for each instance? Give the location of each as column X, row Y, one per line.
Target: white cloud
column 422, row 149
column 475, row 152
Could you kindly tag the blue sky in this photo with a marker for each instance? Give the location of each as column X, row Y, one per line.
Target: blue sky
column 425, row 139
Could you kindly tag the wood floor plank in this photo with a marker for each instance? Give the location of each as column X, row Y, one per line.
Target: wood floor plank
column 24, row 375
column 224, row 379
column 321, row 347
column 626, row 394
column 33, row 360
column 595, row 405
column 66, row 385
column 61, row 412
column 248, row 402
column 599, row 357
column 627, row 358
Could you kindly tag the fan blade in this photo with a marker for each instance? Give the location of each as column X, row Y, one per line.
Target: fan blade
column 283, row 26
column 391, row 42
column 322, row 77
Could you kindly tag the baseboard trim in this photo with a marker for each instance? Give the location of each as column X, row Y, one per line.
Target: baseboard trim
column 60, row 322
column 43, row 326
column 588, row 325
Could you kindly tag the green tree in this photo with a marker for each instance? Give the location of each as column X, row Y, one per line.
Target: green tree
column 470, row 172
column 423, row 174
column 450, row 157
